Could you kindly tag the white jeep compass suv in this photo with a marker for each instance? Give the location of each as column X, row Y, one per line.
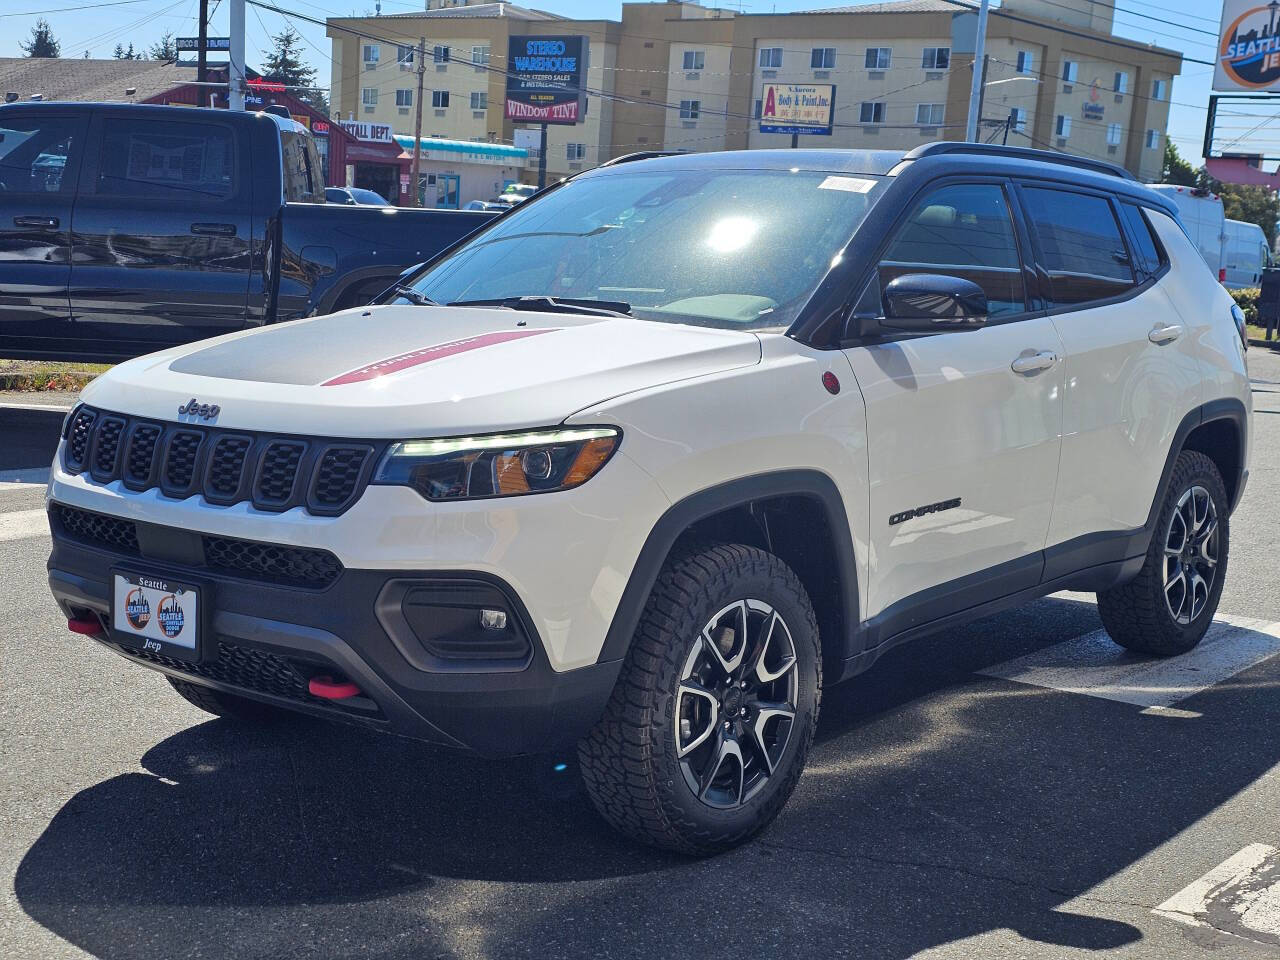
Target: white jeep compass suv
column 656, row 454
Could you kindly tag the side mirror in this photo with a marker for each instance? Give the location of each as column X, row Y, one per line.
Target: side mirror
column 934, row 303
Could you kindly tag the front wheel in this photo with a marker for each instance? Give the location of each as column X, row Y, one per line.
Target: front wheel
column 711, row 720
column 1167, row 608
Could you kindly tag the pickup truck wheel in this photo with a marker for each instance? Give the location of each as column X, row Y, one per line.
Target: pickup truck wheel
column 707, row 730
column 1167, row 608
column 226, row 705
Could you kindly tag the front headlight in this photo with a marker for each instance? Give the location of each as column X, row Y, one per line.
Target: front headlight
column 500, row 465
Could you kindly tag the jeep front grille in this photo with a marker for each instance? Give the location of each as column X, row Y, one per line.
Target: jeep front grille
column 274, row 473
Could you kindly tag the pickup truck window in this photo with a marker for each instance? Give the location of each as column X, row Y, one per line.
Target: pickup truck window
column 302, row 182
column 155, row 159
column 34, row 152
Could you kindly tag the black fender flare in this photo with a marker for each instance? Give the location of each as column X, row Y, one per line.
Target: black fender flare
column 680, row 516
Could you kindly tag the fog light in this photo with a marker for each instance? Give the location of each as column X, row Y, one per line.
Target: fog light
column 493, row 619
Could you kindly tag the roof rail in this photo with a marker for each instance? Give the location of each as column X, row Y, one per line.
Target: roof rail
column 638, row 155
column 1021, row 153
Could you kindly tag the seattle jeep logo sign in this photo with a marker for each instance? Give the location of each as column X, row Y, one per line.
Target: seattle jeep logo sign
column 1248, row 51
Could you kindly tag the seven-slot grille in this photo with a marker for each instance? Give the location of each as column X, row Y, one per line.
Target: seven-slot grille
column 273, row 473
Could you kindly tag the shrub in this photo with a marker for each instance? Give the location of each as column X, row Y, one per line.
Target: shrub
column 1248, row 302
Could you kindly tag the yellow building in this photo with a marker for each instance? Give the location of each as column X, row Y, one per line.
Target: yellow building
column 680, row 76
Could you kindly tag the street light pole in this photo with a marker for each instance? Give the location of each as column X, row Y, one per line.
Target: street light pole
column 975, row 90
column 235, row 72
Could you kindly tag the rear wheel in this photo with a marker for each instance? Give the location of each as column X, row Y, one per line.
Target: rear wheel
column 226, row 705
column 709, row 726
column 1167, row 608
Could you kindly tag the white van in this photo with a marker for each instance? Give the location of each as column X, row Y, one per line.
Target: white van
column 1247, row 255
column 1205, row 221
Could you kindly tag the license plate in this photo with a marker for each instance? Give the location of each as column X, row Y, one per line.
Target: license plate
column 156, row 614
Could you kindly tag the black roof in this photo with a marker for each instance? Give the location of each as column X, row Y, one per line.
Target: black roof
column 159, row 110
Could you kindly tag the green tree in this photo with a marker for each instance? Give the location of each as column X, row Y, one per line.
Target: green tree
column 1176, row 170
column 165, row 49
column 284, row 64
column 42, row 43
column 118, row 53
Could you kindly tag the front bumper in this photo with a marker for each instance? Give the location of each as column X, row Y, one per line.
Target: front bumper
column 265, row 640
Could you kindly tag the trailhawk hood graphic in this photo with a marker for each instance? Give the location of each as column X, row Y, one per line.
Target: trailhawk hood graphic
column 405, row 371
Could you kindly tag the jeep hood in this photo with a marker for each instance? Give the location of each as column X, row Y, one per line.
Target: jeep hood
column 405, row 371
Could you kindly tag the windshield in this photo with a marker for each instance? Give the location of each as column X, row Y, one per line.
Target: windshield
column 368, row 197
column 725, row 248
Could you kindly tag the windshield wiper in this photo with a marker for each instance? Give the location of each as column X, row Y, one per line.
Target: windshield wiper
column 413, row 296
column 543, row 304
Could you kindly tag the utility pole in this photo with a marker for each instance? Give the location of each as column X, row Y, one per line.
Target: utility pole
column 542, row 159
column 201, row 56
column 415, row 195
column 235, row 70
column 975, row 90
column 982, row 99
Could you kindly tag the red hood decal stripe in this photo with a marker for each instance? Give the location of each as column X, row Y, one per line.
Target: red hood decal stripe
column 423, row 355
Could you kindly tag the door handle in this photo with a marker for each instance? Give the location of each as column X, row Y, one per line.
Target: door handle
column 214, row 229
column 44, row 223
column 1165, row 334
column 1034, row 362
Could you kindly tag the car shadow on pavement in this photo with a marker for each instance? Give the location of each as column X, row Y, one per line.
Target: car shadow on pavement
column 938, row 805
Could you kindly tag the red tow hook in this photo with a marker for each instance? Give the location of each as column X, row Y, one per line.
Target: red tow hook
column 329, row 689
column 89, row 626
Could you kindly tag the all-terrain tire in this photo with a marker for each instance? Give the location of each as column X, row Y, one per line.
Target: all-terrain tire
column 629, row 761
column 1136, row 614
column 226, row 705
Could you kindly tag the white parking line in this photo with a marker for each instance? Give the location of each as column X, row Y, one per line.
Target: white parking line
column 1241, row 896
column 31, row 478
column 1096, row 666
column 23, row 525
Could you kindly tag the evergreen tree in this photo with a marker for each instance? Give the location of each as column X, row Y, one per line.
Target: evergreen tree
column 1176, row 170
column 42, row 43
column 285, row 65
column 165, row 49
column 119, row 52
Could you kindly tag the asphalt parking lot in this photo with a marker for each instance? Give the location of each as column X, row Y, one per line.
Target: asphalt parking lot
column 1016, row 788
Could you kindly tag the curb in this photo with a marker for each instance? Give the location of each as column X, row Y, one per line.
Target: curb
column 1269, row 344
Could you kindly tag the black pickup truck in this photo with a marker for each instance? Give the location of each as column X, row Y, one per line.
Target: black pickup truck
column 128, row 228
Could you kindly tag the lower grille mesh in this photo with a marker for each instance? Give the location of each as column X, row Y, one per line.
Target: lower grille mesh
column 239, row 666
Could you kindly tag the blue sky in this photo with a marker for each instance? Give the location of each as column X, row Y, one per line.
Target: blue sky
column 1183, row 25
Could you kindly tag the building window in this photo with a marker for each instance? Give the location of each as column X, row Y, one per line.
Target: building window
column 1018, row 119
column 929, row 114
column 879, row 58
column 936, row 58
column 771, row 58
column 369, row 96
column 871, row 112
column 822, row 58
column 1070, row 70
column 689, row 109
column 575, row 151
column 440, row 54
column 758, row 109
column 479, row 100
column 404, row 98
column 1026, row 61
column 439, row 98
column 404, row 54
column 1122, row 83
column 694, row 59
column 480, row 56
column 1113, row 134
column 370, row 52
column 1157, row 89
column 1063, row 126
column 1153, row 139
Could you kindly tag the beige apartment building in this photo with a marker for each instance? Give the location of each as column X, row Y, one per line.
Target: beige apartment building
column 681, row 76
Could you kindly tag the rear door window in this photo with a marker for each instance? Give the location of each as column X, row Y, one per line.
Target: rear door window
column 37, row 154
column 160, row 160
column 302, row 180
column 1081, row 244
column 1146, row 251
column 962, row 230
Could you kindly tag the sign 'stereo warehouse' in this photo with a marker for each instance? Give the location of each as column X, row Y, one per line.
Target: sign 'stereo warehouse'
column 544, row 79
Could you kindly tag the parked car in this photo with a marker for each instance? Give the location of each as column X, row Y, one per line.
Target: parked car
column 514, row 193
column 650, row 480
column 353, row 196
column 1247, row 255
column 126, row 228
column 1205, row 221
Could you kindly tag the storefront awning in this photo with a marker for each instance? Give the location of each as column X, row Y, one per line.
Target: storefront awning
column 466, row 150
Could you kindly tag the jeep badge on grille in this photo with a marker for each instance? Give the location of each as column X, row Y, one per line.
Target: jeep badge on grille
column 194, row 408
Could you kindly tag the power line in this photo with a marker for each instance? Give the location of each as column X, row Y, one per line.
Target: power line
column 84, row 6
